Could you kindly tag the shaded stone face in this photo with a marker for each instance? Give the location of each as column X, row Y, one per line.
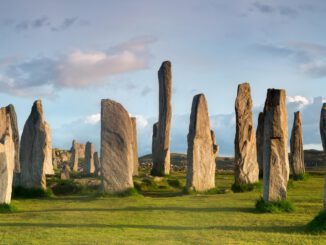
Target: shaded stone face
column 246, row 165
column 276, row 164
column 48, row 165
column 323, row 126
column 7, row 156
column 216, row 148
column 296, row 145
column 96, row 164
column 201, row 153
column 135, row 146
column 260, row 142
column 161, row 130
column 116, row 147
column 88, row 167
column 34, row 149
column 74, row 156
column 65, row 172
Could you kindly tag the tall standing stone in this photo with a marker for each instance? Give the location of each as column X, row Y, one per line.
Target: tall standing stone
column 34, row 148
column 161, row 130
column 323, row 139
column 325, row 193
column 296, row 145
column 246, row 165
column 260, row 142
column 134, row 146
column 116, row 147
column 88, row 167
column 74, row 156
column 48, row 165
column 7, row 156
column 96, row 164
column 276, row 161
column 200, row 154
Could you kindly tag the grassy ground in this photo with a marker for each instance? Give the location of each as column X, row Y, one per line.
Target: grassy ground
column 164, row 216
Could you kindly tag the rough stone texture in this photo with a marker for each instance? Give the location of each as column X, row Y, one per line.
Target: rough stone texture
column 260, row 142
column 296, row 145
column 74, row 156
column 88, row 167
column 276, row 162
column 65, row 172
column 201, row 156
column 60, row 157
column 34, row 149
column 216, row 148
column 7, row 156
column 161, row 130
column 48, row 166
column 96, row 164
column 135, row 146
column 116, row 147
column 246, row 165
column 323, row 126
column 81, row 150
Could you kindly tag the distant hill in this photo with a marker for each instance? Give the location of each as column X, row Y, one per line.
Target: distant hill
column 314, row 160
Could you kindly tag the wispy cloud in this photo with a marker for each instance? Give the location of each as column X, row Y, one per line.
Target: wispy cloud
column 267, row 8
column 79, row 69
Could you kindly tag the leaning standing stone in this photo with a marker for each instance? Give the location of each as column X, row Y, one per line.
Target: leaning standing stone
column 34, row 149
column 134, row 146
column 296, row 145
column 161, row 130
column 276, row 163
column 116, row 147
column 7, row 156
column 246, row 165
column 88, row 167
column 201, row 155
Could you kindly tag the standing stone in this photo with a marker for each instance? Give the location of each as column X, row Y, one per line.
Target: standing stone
column 246, row 165
column 276, row 161
column 260, row 142
column 74, row 156
column 325, row 194
column 216, row 147
column 96, row 164
column 65, row 172
column 7, row 156
column 200, row 155
column 34, row 149
column 88, row 167
column 161, row 130
column 296, row 145
column 323, row 139
column 135, row 146
column 48, row 165
column 116, row 147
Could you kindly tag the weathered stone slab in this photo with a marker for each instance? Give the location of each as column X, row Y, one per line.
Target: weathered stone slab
column 7, row 156
column 48, row 165
column 65, row 172
column 161, row 130
column 96, row 164
column 276, row 162
column 74, row 156
column 296, row 145
column 260, row 142
column 116, row 147
column 135, row 146
column 34, row 149
column 88, row 167
column 246, row 165
column 201, row 155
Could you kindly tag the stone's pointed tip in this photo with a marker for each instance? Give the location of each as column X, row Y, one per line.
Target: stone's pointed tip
column 166, row 63
column 324, row 105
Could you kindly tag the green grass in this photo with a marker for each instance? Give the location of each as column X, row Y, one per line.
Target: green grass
column 246, row 187
column 164, row 216
column 301, row 177
column 274, row 207
column 21, row 192
column 318, row 224
column 7, row 208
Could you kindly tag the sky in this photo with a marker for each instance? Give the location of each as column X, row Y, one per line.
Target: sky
column 71, row 54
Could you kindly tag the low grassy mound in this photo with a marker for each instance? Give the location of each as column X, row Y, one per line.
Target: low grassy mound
column 246, row 187
column 22, row 192
column 67, row 187
column 274, row 207
column 7, row 208
column 301, row 177
column 174, row 183
column 318, row 224
column 212, row 191
column 127, row 193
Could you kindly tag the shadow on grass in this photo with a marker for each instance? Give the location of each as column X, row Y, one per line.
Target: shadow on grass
column 142, row 209
column 270, row 229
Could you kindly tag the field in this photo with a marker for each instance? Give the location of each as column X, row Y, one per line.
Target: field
column 163, row 215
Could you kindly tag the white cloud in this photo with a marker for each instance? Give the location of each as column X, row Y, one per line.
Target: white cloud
column 93, row 119
column 141, row 121
column 300, row 100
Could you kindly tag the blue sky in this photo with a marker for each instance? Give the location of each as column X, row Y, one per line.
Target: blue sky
column 71, row 54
